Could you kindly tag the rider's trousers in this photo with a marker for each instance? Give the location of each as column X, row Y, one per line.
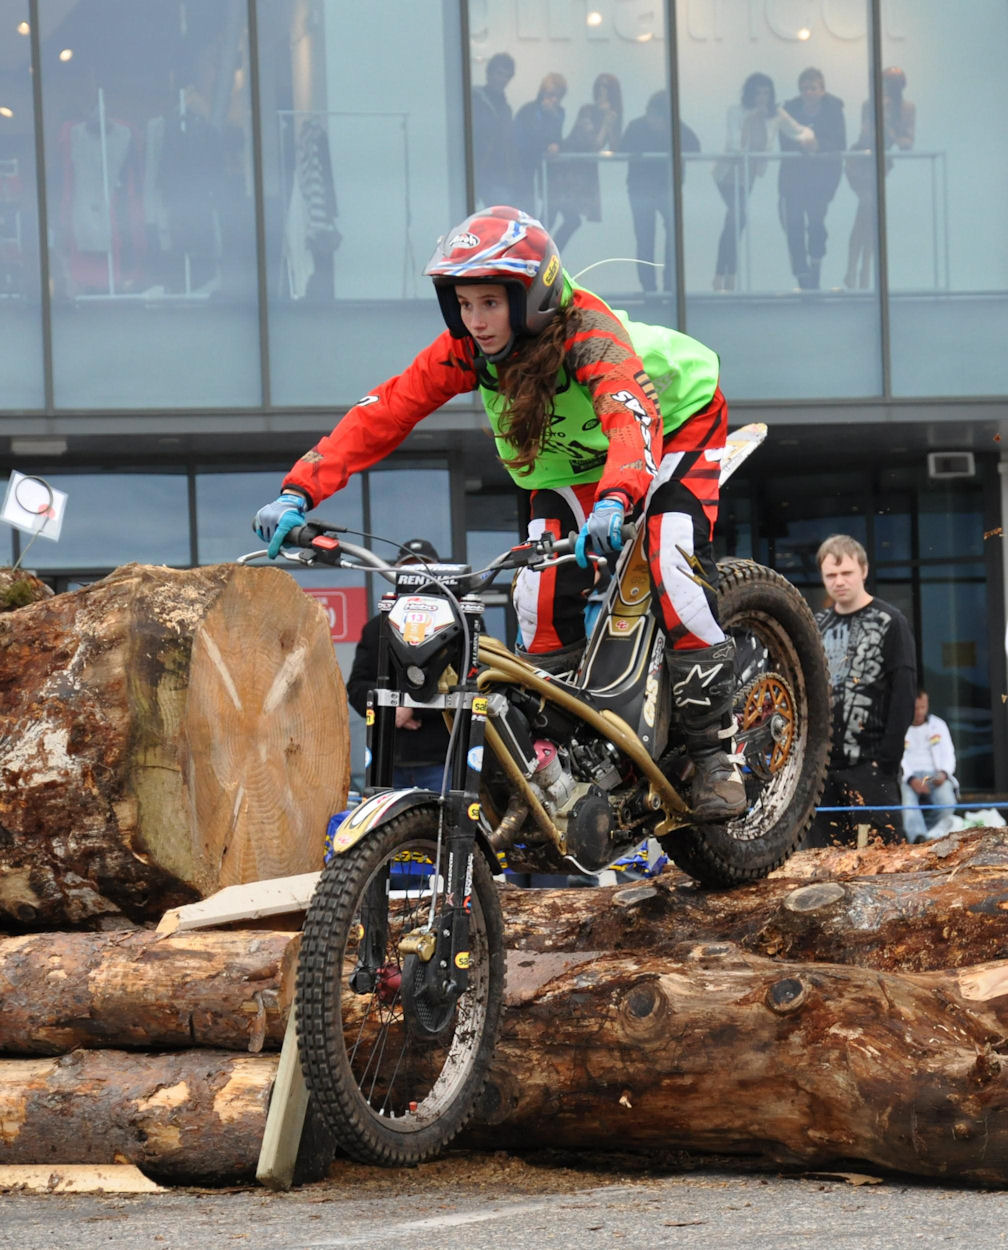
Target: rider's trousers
column 679, row 514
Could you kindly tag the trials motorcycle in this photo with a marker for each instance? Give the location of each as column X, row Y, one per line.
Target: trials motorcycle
column 402, row 965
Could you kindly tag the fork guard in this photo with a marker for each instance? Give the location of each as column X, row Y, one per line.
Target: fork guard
column 379, row 809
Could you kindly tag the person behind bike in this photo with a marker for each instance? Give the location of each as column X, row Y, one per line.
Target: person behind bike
column 600, row 419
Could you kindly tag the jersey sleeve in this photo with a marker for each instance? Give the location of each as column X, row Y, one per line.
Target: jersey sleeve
column 603, row 360
column 900, row 661
column 379, row 422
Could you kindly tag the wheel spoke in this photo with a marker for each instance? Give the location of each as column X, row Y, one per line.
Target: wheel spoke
column 389, row 1091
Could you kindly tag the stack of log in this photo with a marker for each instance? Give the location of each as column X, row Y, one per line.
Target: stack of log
column 165, row 735
column 851, row 1010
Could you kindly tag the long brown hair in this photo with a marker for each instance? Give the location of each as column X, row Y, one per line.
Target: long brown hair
column 527, row 382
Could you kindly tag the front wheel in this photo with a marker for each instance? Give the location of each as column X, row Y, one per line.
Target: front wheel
column 782, row 709
column 393, row 1083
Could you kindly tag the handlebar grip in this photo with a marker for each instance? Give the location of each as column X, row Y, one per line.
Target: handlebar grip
column 302, row 535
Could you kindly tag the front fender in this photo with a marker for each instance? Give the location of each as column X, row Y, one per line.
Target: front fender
column 379, row 809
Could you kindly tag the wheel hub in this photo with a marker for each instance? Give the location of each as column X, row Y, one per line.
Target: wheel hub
column 767, row 723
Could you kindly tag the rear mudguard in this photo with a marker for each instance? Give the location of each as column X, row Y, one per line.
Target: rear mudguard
column 378, row 809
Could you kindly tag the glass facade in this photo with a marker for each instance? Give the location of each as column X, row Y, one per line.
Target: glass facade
column 150, row 221
column 588, row 149
column 21, row 350
column 777, row 93
column 363, row 168
column 214, row 219
column 946, row 245
column 239, row 198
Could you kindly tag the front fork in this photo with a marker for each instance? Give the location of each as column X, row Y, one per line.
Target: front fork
column 435, row 956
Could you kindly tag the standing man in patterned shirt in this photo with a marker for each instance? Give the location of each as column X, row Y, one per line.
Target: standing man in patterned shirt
column 873, row 673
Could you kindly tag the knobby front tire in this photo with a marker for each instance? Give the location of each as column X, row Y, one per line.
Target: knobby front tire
column 388, row 1093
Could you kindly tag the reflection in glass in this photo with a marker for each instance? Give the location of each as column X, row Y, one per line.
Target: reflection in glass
column 117, row 518
column 150, row 209
column 775, row 99
column 945, row 199
column 409, row 503
column 899, row 120
column 590, row 143
column 20, row 324
column 227, row 502
column 359, row 168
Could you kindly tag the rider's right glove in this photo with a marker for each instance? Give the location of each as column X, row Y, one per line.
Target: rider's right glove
column 276, row 520
column 604, row 528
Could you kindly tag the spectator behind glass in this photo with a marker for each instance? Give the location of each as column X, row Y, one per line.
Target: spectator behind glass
column 538, row 130
column 493, row 138
column 872, row 666
column 574, row 192
column 928, row 774
column 648, row 141
column 809, row 179
column 421, row 742
column 752, row 126
column 899, row 120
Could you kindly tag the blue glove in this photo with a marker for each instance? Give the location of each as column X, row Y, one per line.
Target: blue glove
column 274, row 522
column 604, row 528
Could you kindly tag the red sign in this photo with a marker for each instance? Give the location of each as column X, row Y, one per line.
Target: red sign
column 346, row 609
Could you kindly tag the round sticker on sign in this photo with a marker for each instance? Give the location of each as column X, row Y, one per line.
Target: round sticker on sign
column 475, row 759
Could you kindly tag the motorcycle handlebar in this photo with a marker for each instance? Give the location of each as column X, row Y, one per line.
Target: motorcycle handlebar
column 327, row 546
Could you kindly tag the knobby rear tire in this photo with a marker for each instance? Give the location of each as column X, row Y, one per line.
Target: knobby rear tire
column 388, row 1094
column 775, row 631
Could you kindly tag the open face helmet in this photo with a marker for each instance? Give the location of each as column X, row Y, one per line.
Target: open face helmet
column 504, row 245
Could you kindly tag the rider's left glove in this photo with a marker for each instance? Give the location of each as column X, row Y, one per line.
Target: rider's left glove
column 603, row 528
column 276, row 520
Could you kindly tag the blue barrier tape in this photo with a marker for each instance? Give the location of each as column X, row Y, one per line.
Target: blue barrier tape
column 930, row 807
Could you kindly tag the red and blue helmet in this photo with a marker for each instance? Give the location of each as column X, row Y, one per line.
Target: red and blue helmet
column 504, row 245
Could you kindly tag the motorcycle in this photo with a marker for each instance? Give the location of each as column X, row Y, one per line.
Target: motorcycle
column 402, row 967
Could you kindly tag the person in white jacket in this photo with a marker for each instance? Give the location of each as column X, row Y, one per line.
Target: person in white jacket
column 928, row 774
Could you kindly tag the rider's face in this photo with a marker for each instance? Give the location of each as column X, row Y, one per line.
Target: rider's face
column 485, row 314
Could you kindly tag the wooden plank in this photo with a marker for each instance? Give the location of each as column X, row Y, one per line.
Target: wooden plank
column 76, row 1178
column 276, row 897
column 285, row 1118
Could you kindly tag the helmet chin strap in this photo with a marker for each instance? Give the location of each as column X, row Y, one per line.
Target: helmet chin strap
column 497, row 357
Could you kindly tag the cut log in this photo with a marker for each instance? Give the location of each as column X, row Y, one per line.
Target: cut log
column 973, row 848
column 19, row 588
column 718, row 1050
column 61, row 991
column 166, row 733
column 195, row 1115
column 939, row 913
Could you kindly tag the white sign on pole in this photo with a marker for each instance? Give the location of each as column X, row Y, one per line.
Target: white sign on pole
column 32, row 505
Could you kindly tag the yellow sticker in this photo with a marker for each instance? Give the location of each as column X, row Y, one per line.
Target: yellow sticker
column 479, row 706
column 473, row 812
column 551, row 270
column 416, row 628
column 369, row 716
column 462, row 959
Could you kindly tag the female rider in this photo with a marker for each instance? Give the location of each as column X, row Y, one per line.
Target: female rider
column 597, row 417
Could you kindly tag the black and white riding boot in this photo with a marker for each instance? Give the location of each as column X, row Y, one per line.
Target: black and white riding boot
column 703, row 689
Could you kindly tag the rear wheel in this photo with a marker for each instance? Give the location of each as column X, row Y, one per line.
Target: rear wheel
column 782, row 708
column 394, row 1067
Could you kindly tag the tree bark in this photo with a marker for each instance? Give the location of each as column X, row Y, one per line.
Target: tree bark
column 220, row 988
column 195, row 1116
column 165, row 733
column 714, row 1049
column 931, row 907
